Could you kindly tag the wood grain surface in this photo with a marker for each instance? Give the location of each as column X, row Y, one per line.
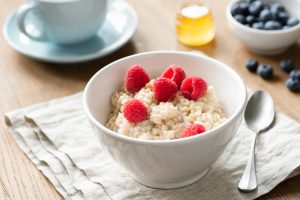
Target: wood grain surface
column 24, row 82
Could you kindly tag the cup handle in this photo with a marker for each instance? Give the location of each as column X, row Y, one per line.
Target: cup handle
column 21, row 15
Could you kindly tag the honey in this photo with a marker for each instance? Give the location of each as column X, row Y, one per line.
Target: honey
column 195, row 24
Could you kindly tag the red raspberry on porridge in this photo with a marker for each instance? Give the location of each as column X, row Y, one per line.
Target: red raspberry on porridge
column 193, row 129
column 164, row 89
column 135, row 111
column 175, row 73
column 135, row 78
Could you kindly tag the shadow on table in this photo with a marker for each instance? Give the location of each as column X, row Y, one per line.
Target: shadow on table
column 291, row 53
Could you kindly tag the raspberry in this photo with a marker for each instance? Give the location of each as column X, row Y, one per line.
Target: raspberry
column 193, row 87
column 164, row 89
column 175, row 73
column 135, row 111
column 193, row 129
column 135, row 79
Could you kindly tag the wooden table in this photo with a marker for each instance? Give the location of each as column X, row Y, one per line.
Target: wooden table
column 24, row 82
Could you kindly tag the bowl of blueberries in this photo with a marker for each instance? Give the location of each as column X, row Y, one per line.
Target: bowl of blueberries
column 266, row 27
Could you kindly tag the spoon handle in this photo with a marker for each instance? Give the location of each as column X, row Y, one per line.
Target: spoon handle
column 248, row 181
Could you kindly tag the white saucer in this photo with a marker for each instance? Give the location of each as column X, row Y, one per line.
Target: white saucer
column 118, row 28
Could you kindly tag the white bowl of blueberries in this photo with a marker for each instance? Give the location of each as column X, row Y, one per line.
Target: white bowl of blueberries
column 265, row 26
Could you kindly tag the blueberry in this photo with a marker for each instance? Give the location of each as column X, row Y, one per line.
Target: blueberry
column 235, row 9
column 250, row 19
column 265, row 15
column 265, row 71
column 266, row 6
column 244, row 8
column 295, row 74
column 286, row 27
column 293, row 84
column 251, row 65
column 255, row 8
column 282, row 17
column 272, row 25
column 258, row 25
column 249, row 1
column 287, row 65
column 240, row 8
column 276, row 7
column 292, row 21
column 240, row 18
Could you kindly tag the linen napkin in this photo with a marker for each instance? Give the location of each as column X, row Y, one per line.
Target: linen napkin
column 57, row 138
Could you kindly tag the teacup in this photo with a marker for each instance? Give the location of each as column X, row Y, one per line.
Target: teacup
column 64, row 21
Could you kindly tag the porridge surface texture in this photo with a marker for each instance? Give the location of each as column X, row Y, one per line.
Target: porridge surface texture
column 166, row 120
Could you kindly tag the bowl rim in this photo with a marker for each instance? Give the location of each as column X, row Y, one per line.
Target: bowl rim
column 254, row 30
column 163, row 142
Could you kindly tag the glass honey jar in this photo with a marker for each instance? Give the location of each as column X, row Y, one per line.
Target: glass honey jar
column 194, row 23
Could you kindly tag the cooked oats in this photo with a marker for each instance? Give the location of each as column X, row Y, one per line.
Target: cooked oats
column 166, row 120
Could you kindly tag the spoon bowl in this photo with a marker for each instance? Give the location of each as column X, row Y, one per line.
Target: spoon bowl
column 259, row 113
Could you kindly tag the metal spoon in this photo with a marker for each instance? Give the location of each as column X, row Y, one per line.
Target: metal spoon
column 259, row 115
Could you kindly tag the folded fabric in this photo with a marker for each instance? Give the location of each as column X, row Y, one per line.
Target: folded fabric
column 57, row 138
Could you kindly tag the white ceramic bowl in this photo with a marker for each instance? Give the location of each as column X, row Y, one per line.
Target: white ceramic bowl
column 173, row 163
column 267, row 42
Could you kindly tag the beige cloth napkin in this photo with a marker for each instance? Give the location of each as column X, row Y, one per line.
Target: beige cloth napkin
column 57, row 138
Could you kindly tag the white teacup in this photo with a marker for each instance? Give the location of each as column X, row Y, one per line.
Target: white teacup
column 64, row 21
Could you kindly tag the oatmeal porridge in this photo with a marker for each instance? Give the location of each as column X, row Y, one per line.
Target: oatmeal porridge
column 165, row 118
